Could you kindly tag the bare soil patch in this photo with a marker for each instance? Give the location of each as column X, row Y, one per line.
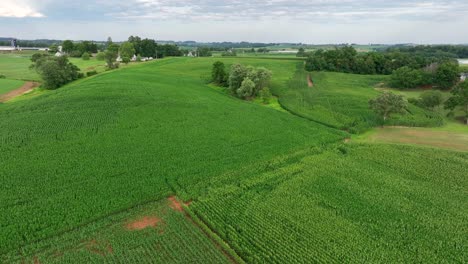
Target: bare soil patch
column 145, row 222
column 28, row 86
column 310, row 83
column 175, row 204
column 99, row 249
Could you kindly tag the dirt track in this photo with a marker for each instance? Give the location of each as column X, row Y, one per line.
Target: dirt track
column 28, row 86
column 309, row 81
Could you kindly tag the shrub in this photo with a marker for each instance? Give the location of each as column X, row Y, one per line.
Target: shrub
column 85, row 56
column 101, row 56
column 2, row 76
column 265, row 94
column 405, row 77
column 91, row 73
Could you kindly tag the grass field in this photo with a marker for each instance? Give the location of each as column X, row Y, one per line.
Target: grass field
column 341, row 101
column 84, row 166
column 7, row 85
column 16, row 66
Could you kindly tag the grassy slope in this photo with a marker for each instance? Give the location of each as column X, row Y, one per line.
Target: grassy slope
column 7, row 85
column 16, row 66
column 131, row 136
column 345, row 205
column 341, row 100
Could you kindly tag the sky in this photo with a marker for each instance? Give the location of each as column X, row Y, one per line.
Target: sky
column 305, row 21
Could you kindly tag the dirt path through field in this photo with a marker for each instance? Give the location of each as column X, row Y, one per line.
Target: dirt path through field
column 28, row 86
column 309, row 81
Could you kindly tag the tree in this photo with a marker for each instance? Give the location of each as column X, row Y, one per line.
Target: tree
column 53, row 49
column 68, row 46
column 148, row 48
column 218, row 74
column 405, row 77
column 265, row 94
column 387, row 104
column 101, row 56
column 127, row 50
column 260, row 76
column 85, row 56
column 246, row 90
column 431, row 99
column 204, row 52
column 111, row 55
column 236, row 77
column 301, row 53
column 55, row 71
column 447, row 75
column 136, row 41
column 459, row 99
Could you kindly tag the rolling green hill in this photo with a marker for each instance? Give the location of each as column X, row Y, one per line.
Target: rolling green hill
column 105, row 144
column 86, row 172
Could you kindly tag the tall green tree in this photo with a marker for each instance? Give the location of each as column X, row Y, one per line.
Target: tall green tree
column 218, row 74
column 247, row 89
column 68, row 46
column 447, row 75
column 127, row 50
column 459, row 99
column 405, row 77
column 111, row 55
column 387, row 104
column 55, row 71
column 236, row 76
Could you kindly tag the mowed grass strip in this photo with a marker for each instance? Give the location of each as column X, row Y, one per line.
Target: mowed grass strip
column 438, row 138
column 75, row 155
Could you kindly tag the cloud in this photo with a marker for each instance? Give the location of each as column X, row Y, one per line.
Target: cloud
column 18, row 9
column 310, row 10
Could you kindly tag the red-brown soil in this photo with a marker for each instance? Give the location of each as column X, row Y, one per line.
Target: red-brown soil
column 145, row 222
column 174, row 204
column 309, row 81
column 28, row 86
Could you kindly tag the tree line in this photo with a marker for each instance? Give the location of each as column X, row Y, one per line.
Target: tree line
column 408, row 70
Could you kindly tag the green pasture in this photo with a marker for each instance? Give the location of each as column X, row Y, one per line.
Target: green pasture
column 16, row 65
column 341, row 101
column 7, row 85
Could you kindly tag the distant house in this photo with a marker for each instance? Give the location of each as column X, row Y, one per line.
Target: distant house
column 134, row 58
column 190, row 54
column 464, row 76
column 119, row 59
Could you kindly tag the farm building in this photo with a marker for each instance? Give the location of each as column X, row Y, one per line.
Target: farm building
column 464, row 76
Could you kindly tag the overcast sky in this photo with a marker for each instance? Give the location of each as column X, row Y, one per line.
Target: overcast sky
column 307, row 21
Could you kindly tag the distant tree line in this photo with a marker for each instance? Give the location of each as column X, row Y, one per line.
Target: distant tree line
column 408, row 70
column 76, row 49
column 149, row 48
column 453, row 51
